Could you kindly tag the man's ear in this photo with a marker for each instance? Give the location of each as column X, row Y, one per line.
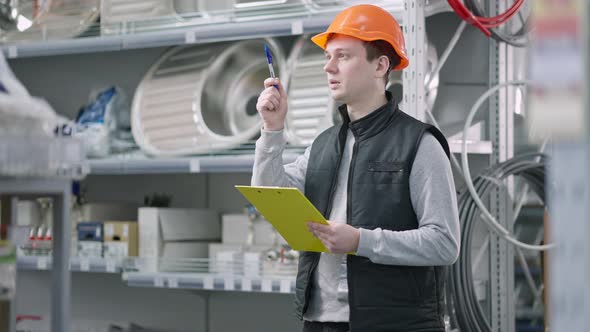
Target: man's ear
column 382, row 66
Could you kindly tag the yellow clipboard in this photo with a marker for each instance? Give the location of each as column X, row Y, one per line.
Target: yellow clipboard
column 288, row 210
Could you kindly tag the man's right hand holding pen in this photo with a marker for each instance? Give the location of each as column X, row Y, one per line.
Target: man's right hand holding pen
column 272, row 105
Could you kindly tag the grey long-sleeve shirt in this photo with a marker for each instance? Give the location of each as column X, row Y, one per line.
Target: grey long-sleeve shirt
column 432, row 191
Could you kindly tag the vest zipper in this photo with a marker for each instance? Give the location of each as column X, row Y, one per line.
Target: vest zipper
column 335, row 178
column 349, row 184
column 349, row 218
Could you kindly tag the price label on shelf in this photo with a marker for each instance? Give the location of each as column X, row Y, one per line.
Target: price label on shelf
column 208, row 282
column 286, row 286
column 190, row 37
column 266, row 285
column 12, row 52
column 296, row 27
column 195, row 165
column 172, row 282
column 84, row 264
column 246, row 285
column 111, row 266
column 158, row 281
column 228, row 283
column 42, row 263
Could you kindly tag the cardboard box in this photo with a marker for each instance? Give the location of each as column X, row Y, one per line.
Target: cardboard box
column 90, row 238
column 176, row 233
column 120, row 239
column 236, row 229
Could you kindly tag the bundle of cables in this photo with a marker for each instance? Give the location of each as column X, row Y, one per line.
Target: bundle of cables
column 472, row 12
column 464, row 309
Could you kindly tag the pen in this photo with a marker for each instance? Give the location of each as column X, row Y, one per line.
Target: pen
column 269, row 59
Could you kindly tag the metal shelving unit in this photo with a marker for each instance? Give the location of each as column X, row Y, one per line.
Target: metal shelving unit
column 77, row 264
column 60, row 191
column 211, row 282
column 302, row 22
column 502, row 297
column 412, row 19
column 237, row 163
column 198, row 164
column 180, row 280
column 188, row 35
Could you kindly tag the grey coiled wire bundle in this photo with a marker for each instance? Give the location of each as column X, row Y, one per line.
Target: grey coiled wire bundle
column 464, row 310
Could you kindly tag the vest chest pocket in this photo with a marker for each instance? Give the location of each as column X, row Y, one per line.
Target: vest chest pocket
column 385, row 172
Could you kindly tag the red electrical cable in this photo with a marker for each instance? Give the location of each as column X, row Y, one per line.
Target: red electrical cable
column 502, row 18
column 484, row 23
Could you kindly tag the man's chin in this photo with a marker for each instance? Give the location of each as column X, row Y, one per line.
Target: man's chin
column 338, row 97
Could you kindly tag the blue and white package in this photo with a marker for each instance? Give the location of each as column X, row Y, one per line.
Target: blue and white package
column 97, row 121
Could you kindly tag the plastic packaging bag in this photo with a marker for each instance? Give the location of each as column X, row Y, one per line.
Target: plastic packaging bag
column 99, row 121
column 20, row 113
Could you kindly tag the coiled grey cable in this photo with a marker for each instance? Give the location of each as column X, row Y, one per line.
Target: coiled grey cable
column 488, row 218
column 465, row 310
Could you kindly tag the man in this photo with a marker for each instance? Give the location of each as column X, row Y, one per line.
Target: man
column 382, row 179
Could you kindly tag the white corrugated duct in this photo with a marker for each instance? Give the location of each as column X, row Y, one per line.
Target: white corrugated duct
column 311, row 109
column 202, row 99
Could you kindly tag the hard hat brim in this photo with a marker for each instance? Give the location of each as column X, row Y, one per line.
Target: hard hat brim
column 321, row 39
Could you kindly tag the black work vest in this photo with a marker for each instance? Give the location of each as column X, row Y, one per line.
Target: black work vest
column 381, row 297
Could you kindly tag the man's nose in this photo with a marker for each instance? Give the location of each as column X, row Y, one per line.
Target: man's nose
column 330, row 66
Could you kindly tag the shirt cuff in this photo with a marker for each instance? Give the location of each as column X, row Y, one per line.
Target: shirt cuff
column 271, row 141
column 366, row 239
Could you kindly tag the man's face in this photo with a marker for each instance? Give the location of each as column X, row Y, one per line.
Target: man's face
column 350, row 74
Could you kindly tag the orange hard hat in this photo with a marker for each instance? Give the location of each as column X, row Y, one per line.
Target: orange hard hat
column 368, row 23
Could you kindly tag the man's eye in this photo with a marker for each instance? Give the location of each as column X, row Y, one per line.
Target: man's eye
column 342, row 56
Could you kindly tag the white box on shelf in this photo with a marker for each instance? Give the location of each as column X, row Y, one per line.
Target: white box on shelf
column 215, row 248
column 252, row 264
column 176, row 233
column 28, row 213
column 178, row 257
column 252, row 261
column 181, row 257
column 236, row 227
column 221, row 255
column 226, row 263
column 277, row 268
